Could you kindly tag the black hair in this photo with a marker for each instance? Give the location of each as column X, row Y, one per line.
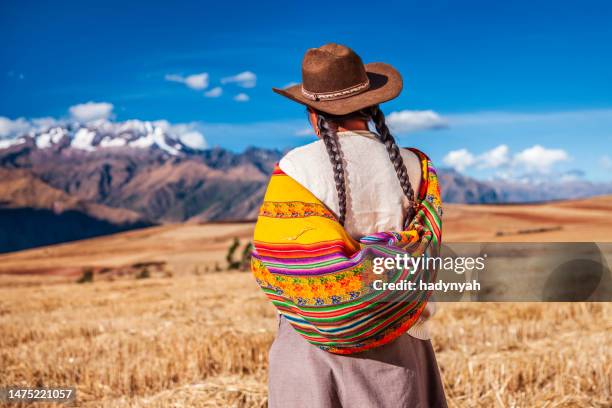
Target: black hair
column 328, row 131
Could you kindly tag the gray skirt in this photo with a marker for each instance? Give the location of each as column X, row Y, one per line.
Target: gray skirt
column 403, row 373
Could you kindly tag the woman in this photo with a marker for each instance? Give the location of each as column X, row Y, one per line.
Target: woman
column 339, row 343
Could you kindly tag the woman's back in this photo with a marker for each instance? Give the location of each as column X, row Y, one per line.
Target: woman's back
column 375, row 200
column 311, row 270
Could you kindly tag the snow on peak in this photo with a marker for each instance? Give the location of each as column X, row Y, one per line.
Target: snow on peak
column 109, row 141
column 105, row 134
column 6, row 143
column 50, row 137
column 83, row 139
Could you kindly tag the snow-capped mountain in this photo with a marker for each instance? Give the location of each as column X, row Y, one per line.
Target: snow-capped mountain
column 63, row 181
column 103, row 134
column 72, row 181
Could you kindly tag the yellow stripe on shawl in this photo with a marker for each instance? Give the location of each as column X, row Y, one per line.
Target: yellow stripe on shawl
column 307, row 230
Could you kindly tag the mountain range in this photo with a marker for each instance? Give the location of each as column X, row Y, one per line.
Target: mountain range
column 71, row 181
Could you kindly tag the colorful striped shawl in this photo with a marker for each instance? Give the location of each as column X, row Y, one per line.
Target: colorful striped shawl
column 320, row 278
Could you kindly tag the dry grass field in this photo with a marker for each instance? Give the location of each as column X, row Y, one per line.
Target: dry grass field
column 187, row 334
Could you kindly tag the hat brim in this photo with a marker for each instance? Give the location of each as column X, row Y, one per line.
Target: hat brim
column 385, row 84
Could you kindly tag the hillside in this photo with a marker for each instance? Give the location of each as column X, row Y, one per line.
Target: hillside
column 32, row 213
column 73, row 181
column 185, row 247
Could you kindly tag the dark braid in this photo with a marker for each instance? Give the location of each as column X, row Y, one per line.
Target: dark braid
column 385, row 136
column 329, row 136
column 327, row 130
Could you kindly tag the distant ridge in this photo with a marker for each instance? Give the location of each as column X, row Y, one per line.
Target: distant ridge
column 136, row 173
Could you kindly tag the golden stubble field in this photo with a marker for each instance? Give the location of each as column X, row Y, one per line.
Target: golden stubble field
column 188, row 335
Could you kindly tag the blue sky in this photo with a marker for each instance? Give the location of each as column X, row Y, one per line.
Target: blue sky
column 535, row 77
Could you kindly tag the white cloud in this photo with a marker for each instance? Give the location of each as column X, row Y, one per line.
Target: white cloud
column 246, row 79
column 241, row 97
column 494, row 158
column 407, row 120
column 539, row 158
column 535, row 159
column 410, row 121
column 195, row 81
column 11, row 128
column 193, row 139
column 189, row 133
column 90, row 111
column 459, row 159
column 214, row 93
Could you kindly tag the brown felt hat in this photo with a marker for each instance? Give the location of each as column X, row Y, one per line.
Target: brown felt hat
column 336, row 81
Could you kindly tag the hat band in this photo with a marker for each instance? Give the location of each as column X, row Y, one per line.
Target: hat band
column 343, row 93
